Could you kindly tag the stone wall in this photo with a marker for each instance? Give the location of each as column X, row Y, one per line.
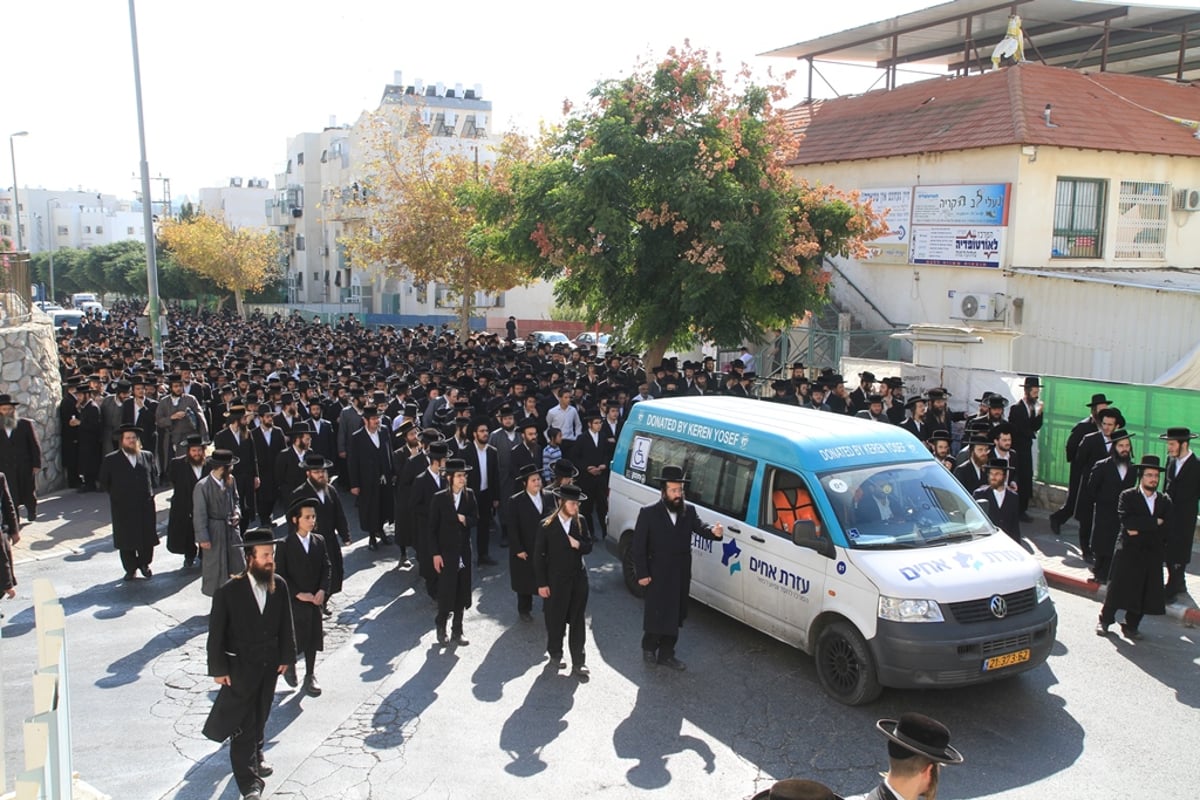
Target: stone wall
column 29, row 372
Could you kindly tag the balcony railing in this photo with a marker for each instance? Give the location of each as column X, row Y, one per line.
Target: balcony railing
column 16, row 291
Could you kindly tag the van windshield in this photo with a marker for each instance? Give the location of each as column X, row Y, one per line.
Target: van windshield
column 902, row 506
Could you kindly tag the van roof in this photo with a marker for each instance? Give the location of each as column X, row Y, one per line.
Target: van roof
column 821, row 440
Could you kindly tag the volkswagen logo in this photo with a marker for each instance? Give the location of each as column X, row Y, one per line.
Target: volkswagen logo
column 999, row 606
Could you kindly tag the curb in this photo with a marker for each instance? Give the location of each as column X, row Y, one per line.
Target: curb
column 1185, row 615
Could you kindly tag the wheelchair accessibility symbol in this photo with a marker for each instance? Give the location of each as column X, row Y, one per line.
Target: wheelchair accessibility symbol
column 639, row 458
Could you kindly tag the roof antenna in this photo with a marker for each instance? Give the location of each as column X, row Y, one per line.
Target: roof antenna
column 1046, row 116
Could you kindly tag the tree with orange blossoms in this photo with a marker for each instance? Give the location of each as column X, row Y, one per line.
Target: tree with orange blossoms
column 417, row 205
column 238, row 260
column 665, row 209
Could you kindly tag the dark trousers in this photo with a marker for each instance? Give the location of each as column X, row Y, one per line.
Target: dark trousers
column 659, row 643
column 483, row 531
column 1024, row 476
column 1108, row 615
column 137, row 558
column 524, row 604
column 1068, row 508
column 1176, row 579
column 1083, row 513
column 564, row 610
column 1102, row 567
column 452, row 597
column 246, row 744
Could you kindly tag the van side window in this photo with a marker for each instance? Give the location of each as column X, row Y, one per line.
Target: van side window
column 718, row 480
column 786, row 499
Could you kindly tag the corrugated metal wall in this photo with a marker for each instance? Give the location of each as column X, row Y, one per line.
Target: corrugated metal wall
column 1100, row 331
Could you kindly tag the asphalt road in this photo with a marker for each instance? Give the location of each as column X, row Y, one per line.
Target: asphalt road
column 402, row 718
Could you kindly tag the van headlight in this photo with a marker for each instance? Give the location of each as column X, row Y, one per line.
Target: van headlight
column 1042, row 589
column 898, row 609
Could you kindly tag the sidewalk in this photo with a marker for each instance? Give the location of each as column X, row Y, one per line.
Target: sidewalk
column 69, row 522
column 1066, row 570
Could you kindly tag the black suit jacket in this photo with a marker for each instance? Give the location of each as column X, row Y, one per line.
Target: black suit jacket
column 555, row 561
column 494, row 490
column 1006, row 517
column 1184, row 491
column 968, row 477
column 1025, row 425
column 331, row 516
column 265, row 452
column 289, row 473
column 144, row 420
column 451, row 538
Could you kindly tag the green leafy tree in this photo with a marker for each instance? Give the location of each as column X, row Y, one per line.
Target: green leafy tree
column 665, row 209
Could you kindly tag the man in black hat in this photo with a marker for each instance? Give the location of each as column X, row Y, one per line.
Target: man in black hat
column 251, row 642
column 127, row 475
column 860, row 398
column 452, row 514
column 91, row 436
column 369, row 464
column 268, row 443
column 1026, row 419
column 873, row 409
column 561, row 541
column 68, row 425
column 528, row 449
column 485, row 483
column 185, row 472
column 289, row 464
column 217, row 522
column 1000, row 502
column 914, row 421
column 20, row 455
column 993, row 406
column 939, row 445
column 140, row 409
column 331, row 517
column 425, row 485
column 972, row 473
column 592, row 457
column 816, row 398
column 526, row 510
column 408, row 460
column 303, row 561
column 917, row 748
column 662, row 556
column 797, row 789
column 1182, row 485
column 235, row 438
column 177, row 417
column 1135, row 578
column 1094, row 447
column 1088, row 424
column 1108, row 478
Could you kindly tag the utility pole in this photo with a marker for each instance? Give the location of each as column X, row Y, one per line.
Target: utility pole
column 147, row 211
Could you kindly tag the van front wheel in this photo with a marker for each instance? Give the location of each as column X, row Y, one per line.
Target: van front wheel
column 628, row 569
column 845, row 666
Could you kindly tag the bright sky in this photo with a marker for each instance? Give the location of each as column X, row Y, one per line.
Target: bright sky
column 226, row 82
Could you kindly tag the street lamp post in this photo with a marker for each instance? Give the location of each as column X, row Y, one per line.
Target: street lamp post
column 12, row 153
column 147, row 210
column 52, row 230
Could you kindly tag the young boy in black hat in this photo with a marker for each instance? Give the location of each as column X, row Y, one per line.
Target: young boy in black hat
column 303, row 561
column 561, row 542
column 452, row 514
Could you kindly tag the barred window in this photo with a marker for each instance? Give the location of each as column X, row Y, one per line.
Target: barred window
column 1142, row 211
column 1078, row 218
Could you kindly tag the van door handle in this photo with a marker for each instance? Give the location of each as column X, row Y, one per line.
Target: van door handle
column 734, row 529
column 757, row 538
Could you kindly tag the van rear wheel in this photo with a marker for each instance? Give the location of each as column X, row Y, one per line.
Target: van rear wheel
column 628, row 571
column 845, row 666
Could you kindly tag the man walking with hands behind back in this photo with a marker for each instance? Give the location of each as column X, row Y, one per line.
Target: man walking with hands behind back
column 662, row 553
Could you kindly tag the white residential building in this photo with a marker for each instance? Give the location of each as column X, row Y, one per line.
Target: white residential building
column 241, row 204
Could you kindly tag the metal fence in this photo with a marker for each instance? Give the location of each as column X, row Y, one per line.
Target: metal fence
column 818, row 347
column 16, row 291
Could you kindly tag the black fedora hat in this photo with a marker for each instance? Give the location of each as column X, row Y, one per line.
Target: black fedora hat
column 527, row 423
column 868, row 377
column 1097, row 399
column 672, row 473
column 563, row 468
column 222, row 458
column 1120, row 434
column 299, row 429
column 369, row 412
column 126, row 428
column 525, row 472
column 7, row 400
column 1032, row 382
column 940, row 436
column 235, row 412
column 454, row 465
column 1149, row 462
column 917, row 734
column 301, row 502
column 569, row 491
column 316, row 461
column 256, row 536
column 1178, row 435
column 797, row 789
column 194, row 440
column 997, row 463
column 438, row 450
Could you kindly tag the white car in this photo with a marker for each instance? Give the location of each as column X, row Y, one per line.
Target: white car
column 47, row 306
column 551, row 338
column 92, row 307
column 587, row 339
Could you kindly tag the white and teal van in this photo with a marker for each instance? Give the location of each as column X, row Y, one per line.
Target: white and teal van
column 844, row 538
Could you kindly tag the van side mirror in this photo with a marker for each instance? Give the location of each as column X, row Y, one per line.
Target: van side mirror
column 804, row 534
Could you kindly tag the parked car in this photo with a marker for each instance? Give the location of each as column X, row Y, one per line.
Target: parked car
column 93, row 308
column 588, row 338
column 72, row 318
column 551, row 338
column 47, row 306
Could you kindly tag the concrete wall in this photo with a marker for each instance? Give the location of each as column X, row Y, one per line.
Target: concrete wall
column 29, row 356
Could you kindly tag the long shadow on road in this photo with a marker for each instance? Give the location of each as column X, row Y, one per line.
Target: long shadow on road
column 540, row 720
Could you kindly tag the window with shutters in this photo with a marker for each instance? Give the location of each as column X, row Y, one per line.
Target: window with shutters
column 1142, row 212
column 1079, row 218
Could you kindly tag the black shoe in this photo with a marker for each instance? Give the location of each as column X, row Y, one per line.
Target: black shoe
column 526, row 616
column 265, row 770
column 486, row 561
column 326, row 612
column 1131, row 633
column 673, row 663
column 253, row 794
column 1089, row 557
column 650, row 657
column 581, row 672
column 1092, row 579
column 556, row 661
column 188, row 563
column 130, row 576
column 1025, row 517
column 31, row 516
column 387, row 540
column 311, row 687
column 290, row 677
column 1055, row 527
column 1101, row 629
column 442, row 638
column 460, row 640
column 146, row 573
column 371, row 545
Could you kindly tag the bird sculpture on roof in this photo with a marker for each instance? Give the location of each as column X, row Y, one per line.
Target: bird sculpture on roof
column 1011, row 49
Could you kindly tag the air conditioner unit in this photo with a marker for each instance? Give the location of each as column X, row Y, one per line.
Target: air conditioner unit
column 1187, row 200
column 976, row 306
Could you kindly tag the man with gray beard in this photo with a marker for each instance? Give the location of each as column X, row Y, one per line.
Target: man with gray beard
column 126, row 474
column 20, row 455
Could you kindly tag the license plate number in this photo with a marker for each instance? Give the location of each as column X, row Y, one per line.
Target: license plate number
column 1006, row 660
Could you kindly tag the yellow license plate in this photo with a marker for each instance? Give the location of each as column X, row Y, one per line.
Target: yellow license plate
column 1006, row 660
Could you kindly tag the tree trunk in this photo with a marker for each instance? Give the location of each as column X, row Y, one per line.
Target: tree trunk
column 655, row 352
column 237, row 299
column 466, row 298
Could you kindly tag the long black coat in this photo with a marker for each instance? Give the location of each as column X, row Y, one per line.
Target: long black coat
column 246, row 470
column 663, row 552
column 424, row 487
column 332, row 525
column 91, row 444
column 305, row 572
column 181, row 536
column 524, row 519
column 452, row 541
column 131, row 499
column 144, row 420
column 264, row 453
column 289, row 473
column 408, row 467
column 555, row 562
column 1135, row 580
column 1184, row 490
column 11, row 524
column 249, row 646
column 1104, row 486
column 370, row 471
column 1006, row 517
column 20, row 454
column 1093, row 448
